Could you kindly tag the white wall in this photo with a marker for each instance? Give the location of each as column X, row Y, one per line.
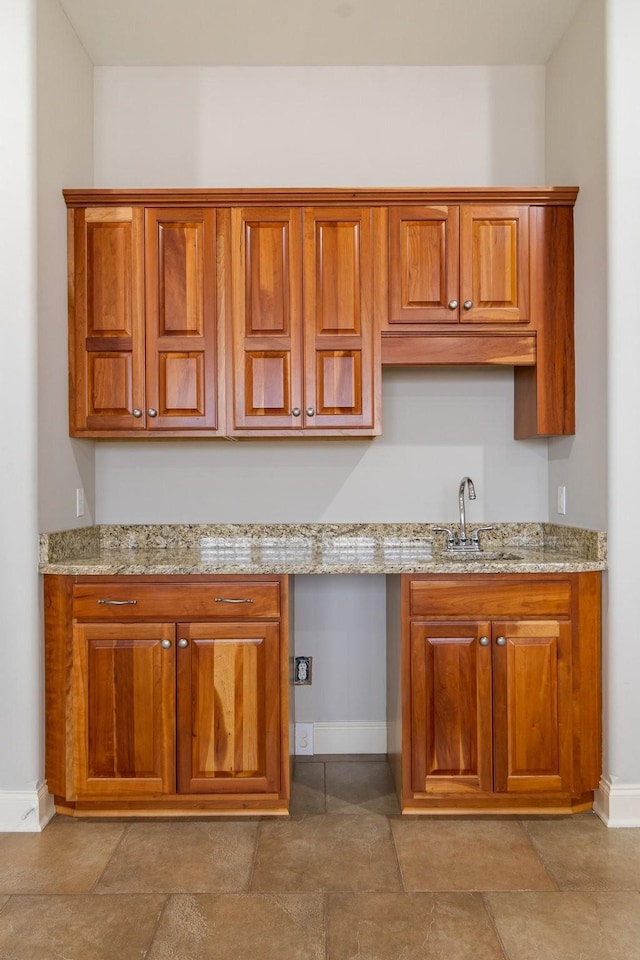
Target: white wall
column 331, row 127
column 65, row 159
column 575, row 153
column 622, row 769
column 20, row 642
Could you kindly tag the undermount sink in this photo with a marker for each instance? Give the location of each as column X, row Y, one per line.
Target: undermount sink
column 481, row 556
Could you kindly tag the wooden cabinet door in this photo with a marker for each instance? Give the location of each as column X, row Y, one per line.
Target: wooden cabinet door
column 229, row 707
column 180, row 319
column 266, row 305
column 423, row 265
column 532, row 706
column 451, row 742
column 106, row 374
column 494, row 264
column 340, row 378
column 124, row 710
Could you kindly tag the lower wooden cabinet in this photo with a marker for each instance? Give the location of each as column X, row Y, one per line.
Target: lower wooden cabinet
column 173, row 716
column 494, row 692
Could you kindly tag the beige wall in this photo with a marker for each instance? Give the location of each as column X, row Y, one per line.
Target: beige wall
column 65, row 158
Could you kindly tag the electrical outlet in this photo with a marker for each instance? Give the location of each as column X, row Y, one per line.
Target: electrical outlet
column 304, row 739
column 79, row 502
column 562, row 500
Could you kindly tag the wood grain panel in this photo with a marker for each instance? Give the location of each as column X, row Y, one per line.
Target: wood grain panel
column 340, row 247
column 181, row 353
column 109, row 384
column 267, row 258
column 339, row 379
column 532, row 697
column 228, row 707
column 492, row 596
column 182, row 383
column 134, row 600
column 268, row 384
column 57, row 666
column 109, row 278
column 494, row 264
column 106, row 336
column 545, row 395
column 181, row 250
column 124, row 709
column 262, row 256
column 423, row 265
column 405, row 350
column 451, row 745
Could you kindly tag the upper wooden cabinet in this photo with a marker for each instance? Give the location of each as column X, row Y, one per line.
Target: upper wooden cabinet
column 454, row 264
column 305, row 355
column 258, row 312
column 143, row 321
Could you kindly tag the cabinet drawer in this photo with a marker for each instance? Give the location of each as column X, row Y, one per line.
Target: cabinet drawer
column 217, row 600
column 463, row 598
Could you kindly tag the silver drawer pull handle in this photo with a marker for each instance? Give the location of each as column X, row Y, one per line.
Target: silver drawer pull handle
column 225, row 600
column 119, row 603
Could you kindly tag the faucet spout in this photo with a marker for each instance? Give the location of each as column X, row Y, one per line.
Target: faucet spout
column 468, row 482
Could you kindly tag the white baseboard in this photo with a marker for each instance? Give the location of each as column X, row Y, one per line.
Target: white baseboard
column 25, row 811
column 618, row 804
column 350, row 737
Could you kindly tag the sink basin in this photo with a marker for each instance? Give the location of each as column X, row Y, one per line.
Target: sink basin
column 481, row 556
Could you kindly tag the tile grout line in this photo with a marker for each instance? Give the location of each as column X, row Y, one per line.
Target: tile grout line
column 540, row 855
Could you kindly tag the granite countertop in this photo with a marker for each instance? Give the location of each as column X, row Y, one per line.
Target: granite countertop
column 272, row 548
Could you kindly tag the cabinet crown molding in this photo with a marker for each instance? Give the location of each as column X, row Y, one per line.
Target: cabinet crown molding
column 302, row 196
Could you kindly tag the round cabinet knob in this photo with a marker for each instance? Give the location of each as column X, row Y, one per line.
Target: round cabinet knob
column 151, row 412
column 468, row 304
column 137, row 413
column 453, row 304
column 310, row 412
column 484, row 641
column 295, row 412
column 501, row 641
column 165, row 644
column 182, row 643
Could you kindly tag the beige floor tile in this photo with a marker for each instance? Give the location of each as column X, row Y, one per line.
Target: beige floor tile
column 307, row 789
column 568, row 925
column 3, row 900
column 359, row 787
column 411, row 926
column 67, row 857
column 326, row 853
column 443, row 854
column 582, row 854
column 232, row 927
column 182, row 857
column 78, row 927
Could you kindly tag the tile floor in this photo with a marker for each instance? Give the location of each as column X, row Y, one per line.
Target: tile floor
column 344, row 878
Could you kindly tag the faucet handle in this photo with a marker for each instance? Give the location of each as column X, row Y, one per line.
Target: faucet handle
column 474, row 535
column 449, row 532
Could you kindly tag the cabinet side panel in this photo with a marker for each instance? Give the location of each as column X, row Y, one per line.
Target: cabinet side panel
column 545, row 395
column 58, row 595
column 587, row 684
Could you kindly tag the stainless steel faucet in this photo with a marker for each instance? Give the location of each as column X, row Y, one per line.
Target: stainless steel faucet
column 472, row 495
column 461, row 543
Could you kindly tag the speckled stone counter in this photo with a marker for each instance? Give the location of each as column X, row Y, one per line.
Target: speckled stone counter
column 294, row 548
